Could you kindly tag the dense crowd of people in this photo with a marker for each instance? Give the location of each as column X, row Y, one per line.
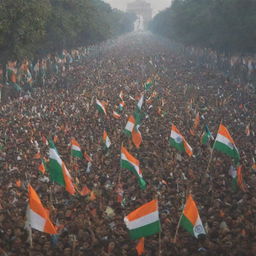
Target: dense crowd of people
column 95, row 226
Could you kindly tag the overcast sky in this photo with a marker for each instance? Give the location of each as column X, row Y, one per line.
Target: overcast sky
column 157, row 5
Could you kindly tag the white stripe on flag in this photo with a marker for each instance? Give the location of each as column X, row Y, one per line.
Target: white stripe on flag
column 176, row 136
column 75, row 148
column 129, row 126
column 142, row 221
column 36, row 221
column 224, row 140
column 54, row 155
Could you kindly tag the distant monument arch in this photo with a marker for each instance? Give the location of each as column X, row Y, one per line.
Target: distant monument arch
column 142, row 9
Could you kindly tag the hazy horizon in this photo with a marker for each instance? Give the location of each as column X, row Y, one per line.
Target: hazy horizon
column 157, row 6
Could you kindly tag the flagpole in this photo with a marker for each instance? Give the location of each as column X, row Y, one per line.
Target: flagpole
column 159, row 241
column 178, row 226
column 177, row 229
column 159, row 235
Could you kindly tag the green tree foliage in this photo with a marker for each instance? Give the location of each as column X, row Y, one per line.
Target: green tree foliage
column 29, row 27
column 224, row 25
column 22, row 25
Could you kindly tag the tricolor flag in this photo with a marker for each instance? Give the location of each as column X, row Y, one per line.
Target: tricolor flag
column 129, row 126
column 195, row 125
column 190, row 219
column 136, row 136
column 237, row 178
column 106, row 139
column 148, row 84
column 58, row 170
column 42, row 167
column 116, row 115
column 206, row 136
column 225, row 144
column 140, row 102
column 247, row 130
column 131, row 163
column 179, row 142
column 144, row 221
column 121, row 95
column 37, row 215
column 101, row 107
column 76, row 149
column 121, row 105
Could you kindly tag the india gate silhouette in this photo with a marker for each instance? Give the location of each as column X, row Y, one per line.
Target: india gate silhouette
column 142, row 9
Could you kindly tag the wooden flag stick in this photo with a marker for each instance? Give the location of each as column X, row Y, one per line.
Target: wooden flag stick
column 159, row 240
column 177, row 228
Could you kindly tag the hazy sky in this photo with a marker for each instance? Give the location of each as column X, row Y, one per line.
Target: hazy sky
column 157, row 5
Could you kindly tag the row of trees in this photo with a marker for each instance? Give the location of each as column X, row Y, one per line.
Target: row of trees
column 224, row 25
column 33, row 28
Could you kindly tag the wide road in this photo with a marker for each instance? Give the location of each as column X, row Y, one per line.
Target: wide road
column 93, row 224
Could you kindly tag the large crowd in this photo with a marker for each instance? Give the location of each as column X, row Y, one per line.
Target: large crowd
column 180, row 90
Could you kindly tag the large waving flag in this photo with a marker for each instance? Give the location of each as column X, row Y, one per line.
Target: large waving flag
column 37, row 215
column 190, row 219
column 101, row 107
column 58, row 170
column 76, row 149
column 131, row 163
column 225, row 144
column 129, row 126
column 144, row 221
column 179, row 142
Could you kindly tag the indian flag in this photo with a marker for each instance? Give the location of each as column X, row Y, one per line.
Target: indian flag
column 42, row 167
column 178, row 141
column 144, row 221
column 121, row 105
column 76, row 149
column 148, row 84
column 247, row 130
column 38, row 216
column 129, row 126
column 121, row 95
column 116, row 115
column 131, row 163
column 140, row 102
column 136, row 136
column 206, row 136
column 58, row 170
column 237, row 178
column 190, row 219
column 106, row 139
column 101, row 107
column 225, row 144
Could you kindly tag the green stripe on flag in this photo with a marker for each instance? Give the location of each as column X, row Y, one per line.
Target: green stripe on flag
column 77, row 154
column 145, row 231
column 187, row 225
column 226, row 150
column 178, row 146
column 56, row 174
